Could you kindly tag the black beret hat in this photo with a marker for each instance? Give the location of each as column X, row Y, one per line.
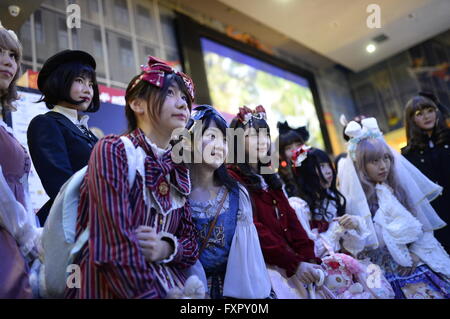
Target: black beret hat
column 61, row 58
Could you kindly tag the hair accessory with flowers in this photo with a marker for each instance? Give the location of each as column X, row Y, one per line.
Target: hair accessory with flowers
column 299, row 155
column 358, row 132
column 155, row 71
column 246, row 114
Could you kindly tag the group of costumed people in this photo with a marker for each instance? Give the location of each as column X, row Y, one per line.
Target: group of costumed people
column 139, row 224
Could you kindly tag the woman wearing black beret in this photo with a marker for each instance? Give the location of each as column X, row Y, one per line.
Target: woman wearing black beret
column 59, row 141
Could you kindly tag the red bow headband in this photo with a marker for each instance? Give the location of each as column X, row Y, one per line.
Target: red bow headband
column 156, row 69
column 299, row 155
column 246, row 114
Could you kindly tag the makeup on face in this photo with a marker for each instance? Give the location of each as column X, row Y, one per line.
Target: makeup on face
column 378, row 169
column 327, row 173
column 214, row 146
column 8, row 67
column 82, row 89
column 425, row 118
column 175, row 111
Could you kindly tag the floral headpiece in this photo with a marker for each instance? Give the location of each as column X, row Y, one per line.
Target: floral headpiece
column 358, row 132
column 299, row 155
column 246, row 114
column 155, row 71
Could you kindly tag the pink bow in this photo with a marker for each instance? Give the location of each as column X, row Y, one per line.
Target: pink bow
column 155, row 71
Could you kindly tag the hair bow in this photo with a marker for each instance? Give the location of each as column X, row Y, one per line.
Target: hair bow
column 246, row 114
column 358, row 132
column 299, row 155
column 155, row 71
column 202, row 110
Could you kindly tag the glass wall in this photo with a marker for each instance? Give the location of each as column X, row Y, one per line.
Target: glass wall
column 120, row 34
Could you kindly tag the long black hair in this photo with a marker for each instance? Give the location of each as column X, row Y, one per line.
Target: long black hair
column 309, row 177
column 251, row 178
column 286, row 137
column 210, row 115
column 289, row 135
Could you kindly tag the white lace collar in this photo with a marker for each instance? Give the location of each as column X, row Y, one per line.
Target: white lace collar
column 207, row 209
column 157, row 151
column 397, row 226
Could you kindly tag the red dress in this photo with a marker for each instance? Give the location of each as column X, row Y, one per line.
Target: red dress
column 283, row 240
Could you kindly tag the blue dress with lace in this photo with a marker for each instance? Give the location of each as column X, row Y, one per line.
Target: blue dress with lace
column 215, row 255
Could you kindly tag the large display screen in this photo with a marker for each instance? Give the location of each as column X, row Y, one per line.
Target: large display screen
column 236, row 79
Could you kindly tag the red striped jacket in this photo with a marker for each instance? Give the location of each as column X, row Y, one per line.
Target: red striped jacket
column 111, row 264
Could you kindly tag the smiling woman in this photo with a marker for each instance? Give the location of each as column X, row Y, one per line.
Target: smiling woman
column 59, row 141
column 230, row 253
column 287, row 250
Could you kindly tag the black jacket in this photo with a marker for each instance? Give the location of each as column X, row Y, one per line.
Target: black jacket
column 434, row 162
column 58, row 149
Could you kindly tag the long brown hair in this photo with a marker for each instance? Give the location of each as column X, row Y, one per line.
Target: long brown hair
column 9, row 95
column 371, row 149
column 415, row 136
column 153, row 95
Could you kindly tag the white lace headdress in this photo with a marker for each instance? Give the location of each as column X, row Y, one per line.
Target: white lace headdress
column 420, row 191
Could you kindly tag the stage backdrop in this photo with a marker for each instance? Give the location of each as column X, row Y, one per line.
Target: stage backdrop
column 236, row 79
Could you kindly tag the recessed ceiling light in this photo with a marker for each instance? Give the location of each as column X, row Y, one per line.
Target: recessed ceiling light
column 371, row 48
